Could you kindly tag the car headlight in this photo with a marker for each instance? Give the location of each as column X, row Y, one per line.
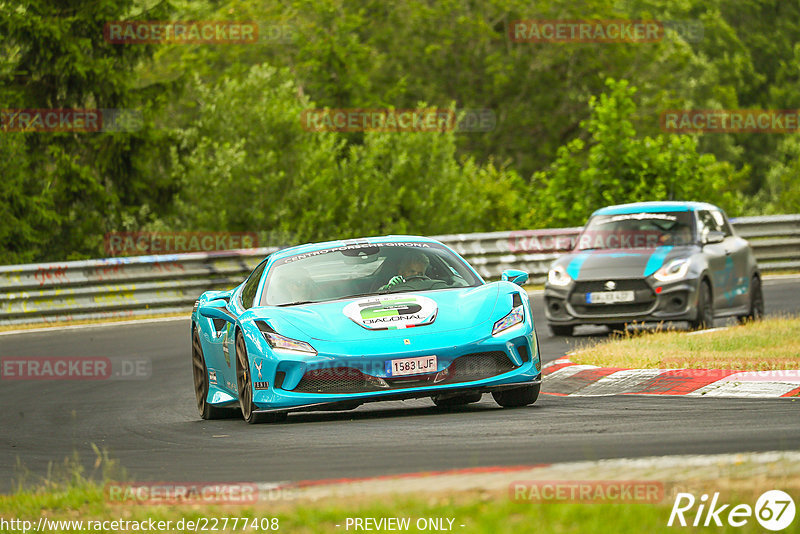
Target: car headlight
column 674, row 270
column 286, row 344
column 557, row 276
column 514, row 318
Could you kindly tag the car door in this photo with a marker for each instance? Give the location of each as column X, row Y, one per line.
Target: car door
column 242, row 300
column 720, row 262
column 738, row 250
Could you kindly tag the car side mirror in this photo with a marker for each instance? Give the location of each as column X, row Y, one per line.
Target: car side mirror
column 216, row 309
column 714, row 237
column 515, row 276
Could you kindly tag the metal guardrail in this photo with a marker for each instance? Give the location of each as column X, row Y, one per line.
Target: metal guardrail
column 141, row 285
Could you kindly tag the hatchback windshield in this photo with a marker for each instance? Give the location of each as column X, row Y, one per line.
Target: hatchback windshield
column 637, row 231
column 364, row 269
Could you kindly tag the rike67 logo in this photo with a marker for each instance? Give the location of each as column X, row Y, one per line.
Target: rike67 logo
column 774, row 510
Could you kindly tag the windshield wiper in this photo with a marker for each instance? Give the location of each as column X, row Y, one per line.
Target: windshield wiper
column 296, row 303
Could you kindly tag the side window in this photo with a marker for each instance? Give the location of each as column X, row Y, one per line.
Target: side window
column 251, row 286
column 722, row 223
column 706, row 223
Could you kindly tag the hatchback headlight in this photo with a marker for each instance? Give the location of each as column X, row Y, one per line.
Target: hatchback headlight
column 557, row 276
column 674, row 270
column 514, row 318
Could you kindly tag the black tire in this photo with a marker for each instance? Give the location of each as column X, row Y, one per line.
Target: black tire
column 245, row 388
column 705, row 308
column 562, row 329
column 618, row 327
column 517, row 397
column 458, row 400
column 201, row 384
column 756, row 312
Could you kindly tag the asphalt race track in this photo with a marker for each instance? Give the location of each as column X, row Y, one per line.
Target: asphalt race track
column 151, row 426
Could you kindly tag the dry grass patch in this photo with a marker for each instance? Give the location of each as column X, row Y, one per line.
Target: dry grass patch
column 771, row 344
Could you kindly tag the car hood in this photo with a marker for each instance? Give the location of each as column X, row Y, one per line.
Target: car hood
column 611, row 263
column 431, row 311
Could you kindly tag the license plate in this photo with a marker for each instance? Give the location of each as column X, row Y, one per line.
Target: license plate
column 609, row 297
column 411, row 366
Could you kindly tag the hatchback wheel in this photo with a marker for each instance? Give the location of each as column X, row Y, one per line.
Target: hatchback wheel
column 756, row 312
column 705, row 308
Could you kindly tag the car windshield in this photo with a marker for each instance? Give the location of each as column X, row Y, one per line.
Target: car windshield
column 364, row 269
column 637, row 231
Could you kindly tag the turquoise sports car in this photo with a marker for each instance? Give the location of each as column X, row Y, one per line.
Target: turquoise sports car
column 329, row 326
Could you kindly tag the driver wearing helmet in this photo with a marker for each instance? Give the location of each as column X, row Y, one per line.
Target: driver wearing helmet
column 412, row 267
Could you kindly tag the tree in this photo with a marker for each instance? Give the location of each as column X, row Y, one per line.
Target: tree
column 617, row 166
column 56, row 58
column 249, row 164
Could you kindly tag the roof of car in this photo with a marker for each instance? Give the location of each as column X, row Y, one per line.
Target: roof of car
column 638, row 207
column 311, row 247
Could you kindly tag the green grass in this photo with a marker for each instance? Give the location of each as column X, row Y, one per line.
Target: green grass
column 771, row 344
column 477, row 512
column 68, row 492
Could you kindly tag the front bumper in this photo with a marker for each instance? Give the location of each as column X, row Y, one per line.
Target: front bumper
column 351, row 400
column 515, row 356
column 675, row 301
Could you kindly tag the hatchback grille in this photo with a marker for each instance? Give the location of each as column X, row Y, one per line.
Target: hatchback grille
column 609, row 309
column 626, row 284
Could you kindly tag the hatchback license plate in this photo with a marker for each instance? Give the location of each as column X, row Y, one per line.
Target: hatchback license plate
column 411, row 366
column 609, row 297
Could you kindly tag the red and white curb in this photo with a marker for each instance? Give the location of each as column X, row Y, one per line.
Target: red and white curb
column 564, row 377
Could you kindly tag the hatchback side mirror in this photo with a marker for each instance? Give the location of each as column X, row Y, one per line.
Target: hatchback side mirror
column 714, row 237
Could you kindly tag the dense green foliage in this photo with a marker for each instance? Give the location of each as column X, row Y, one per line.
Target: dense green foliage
column 221, row 146
column 620, row 166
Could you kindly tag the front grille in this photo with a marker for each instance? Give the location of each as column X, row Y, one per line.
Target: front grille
column 466, row 368
column 478, row 366
column 644, row 297
column 625, row 284
column 333, row 380
column 600, row 310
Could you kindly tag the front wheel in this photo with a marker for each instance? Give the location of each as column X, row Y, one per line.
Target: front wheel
column 756, row 312
column 517, row 397
column 620, row 328
column 562, row 329
column 201, row 383
column 245, row 388
column 705, row 308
